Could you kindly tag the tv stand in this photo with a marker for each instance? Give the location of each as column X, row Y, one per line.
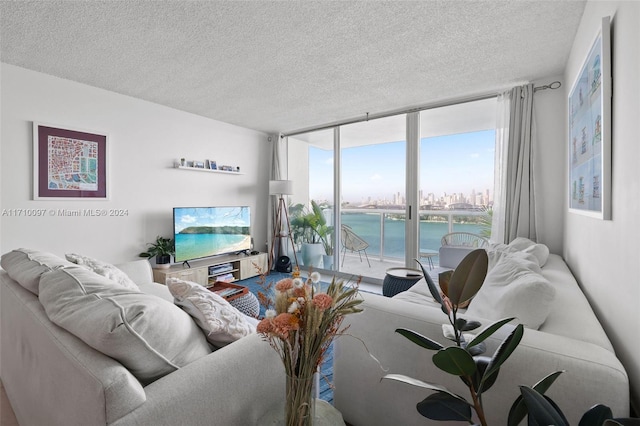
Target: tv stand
column 230, row 267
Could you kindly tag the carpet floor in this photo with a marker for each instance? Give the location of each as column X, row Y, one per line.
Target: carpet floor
column 326, row 369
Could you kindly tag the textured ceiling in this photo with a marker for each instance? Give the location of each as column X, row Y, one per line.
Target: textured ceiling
column 284, row 66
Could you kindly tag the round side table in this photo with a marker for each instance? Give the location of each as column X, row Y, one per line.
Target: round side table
column 399, row 279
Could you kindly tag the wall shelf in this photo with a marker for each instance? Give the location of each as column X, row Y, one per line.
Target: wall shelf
column 197, row 169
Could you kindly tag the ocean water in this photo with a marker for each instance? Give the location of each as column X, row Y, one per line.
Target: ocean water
column 195, row 246
column 367, row 226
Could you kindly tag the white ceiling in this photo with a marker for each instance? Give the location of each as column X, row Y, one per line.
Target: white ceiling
column 284, row 66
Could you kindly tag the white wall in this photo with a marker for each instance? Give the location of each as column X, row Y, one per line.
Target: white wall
column 145, row 140
column 549, row 108
column 605, row 255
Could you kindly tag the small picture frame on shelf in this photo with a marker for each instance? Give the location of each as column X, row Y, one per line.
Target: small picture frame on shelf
column 211, row 165
column 189, row 164
column 198, row 164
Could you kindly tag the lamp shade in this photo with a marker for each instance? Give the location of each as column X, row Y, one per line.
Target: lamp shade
column 280, row 187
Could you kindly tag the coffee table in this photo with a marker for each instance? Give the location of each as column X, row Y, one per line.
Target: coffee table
column 326, row 415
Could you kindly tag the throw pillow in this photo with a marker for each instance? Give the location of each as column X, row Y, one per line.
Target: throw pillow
column 221, row 322
column 150, row 336
column 540, row 251
column 102, row 268
column 514, row 287
column 25, row 266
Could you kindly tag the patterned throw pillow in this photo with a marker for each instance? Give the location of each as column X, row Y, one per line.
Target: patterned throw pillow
column 220, row 322
column 102, row 268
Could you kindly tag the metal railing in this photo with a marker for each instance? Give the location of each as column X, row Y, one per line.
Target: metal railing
column 454, row 220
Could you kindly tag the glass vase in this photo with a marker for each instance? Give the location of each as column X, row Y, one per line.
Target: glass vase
column 300, row 401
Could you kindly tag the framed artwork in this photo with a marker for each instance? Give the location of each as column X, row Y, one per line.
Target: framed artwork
column 69, row 164
column 590, row 131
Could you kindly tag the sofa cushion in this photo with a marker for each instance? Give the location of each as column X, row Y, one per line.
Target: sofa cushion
column 148, row 335
column 102, row 268
column 514, row 287
column 221, row 322
column 25, row 266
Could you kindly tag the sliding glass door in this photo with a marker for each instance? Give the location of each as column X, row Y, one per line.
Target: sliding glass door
column 456, row 179
column 373, row 166
column 388, row 189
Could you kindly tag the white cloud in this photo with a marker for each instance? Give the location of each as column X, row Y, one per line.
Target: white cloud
column 376, row 177
column 475, row 155
column 188, row 219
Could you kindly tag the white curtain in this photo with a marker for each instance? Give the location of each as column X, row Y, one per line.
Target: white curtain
column 514, row 200
column 278, row 172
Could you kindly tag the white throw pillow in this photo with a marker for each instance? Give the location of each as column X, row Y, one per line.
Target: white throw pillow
column 102, row 268
column 150, row 336
column 540, row 251
column 26, row 266
column 221, row 322
column 514, row 287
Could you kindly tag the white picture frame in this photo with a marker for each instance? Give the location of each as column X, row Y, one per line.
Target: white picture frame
column 589, row 131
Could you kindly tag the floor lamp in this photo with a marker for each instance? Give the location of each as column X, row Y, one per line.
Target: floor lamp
column 281, row 188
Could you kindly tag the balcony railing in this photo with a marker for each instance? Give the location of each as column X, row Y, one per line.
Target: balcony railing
column 384, row 229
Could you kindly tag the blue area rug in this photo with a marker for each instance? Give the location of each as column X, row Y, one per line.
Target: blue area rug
column 326, row 369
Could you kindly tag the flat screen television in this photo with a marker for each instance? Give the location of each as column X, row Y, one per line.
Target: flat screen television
column 210, row 231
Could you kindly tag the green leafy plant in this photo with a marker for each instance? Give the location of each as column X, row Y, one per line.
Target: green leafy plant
column 464, row 359
column 162, row 248
column 310, row 226
column 542, row 410
column 478, row 371
column 485, row 221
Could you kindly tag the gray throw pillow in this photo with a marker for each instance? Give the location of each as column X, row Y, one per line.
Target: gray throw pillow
column 25, row 266
column 150, row 336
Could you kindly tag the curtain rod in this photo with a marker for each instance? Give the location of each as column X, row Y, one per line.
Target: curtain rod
column 553, row 86
column 368, row 116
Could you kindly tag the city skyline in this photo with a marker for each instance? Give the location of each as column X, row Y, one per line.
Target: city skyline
column 451, row 164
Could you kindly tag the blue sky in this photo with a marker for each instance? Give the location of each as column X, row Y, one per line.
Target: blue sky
column 452, row 163
column 210, row 216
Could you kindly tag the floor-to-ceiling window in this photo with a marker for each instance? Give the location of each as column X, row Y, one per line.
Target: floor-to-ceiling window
column 456, row 179
column 452, row 173
column 373, row 194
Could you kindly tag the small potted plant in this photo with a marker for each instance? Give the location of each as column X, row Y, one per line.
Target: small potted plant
column 162, row 249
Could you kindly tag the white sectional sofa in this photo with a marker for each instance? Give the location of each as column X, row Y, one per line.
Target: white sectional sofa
column 53, row 378
column 570, row 339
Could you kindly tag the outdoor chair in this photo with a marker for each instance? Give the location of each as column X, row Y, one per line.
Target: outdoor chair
column 351, row 241
column 464, row 239
column 456, row 245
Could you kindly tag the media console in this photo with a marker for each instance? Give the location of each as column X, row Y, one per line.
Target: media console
column 206, row 272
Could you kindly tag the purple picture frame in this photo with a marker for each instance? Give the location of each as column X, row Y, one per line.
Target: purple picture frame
column 69, row 164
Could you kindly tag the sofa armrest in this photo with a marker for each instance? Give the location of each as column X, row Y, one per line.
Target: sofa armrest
column 138, row 270
column 51, row 376
column 451, row 256
column 234, row 385
column 593, row 374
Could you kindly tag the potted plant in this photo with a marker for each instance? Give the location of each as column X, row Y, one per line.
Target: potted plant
column 312, row 232
column 161, row 249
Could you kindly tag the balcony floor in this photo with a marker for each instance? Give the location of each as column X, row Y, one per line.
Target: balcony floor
column 373, row 276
